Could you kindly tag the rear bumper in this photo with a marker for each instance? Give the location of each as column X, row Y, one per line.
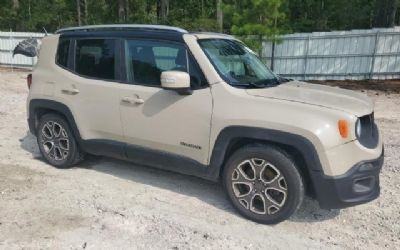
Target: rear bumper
column 359, row 185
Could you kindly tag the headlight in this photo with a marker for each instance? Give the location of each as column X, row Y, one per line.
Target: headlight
column 358, row 128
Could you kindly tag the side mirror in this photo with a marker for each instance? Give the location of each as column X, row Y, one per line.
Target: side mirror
column 176, row 80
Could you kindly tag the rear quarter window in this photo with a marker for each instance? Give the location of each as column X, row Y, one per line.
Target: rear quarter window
column 63, row 52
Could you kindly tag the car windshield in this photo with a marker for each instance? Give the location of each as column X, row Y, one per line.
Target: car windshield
column 237, row 64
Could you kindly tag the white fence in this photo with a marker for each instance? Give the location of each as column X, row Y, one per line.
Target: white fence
column 8, row 41
column 357, row 54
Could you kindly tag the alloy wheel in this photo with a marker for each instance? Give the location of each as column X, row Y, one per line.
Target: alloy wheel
column 55, row 141
column 259, row 186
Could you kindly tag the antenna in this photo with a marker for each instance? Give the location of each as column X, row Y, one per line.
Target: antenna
column 45, row 31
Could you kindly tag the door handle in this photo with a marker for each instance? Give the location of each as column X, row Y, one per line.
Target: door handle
column 132, row 100
column 70, row 91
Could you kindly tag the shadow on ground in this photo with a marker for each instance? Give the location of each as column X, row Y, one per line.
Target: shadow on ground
column 207, row 191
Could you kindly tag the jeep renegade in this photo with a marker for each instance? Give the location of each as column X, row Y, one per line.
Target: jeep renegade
column 203, row 104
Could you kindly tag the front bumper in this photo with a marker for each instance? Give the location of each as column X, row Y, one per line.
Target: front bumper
column 359, row 185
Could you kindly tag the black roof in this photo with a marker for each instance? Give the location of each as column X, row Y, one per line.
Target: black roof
column 158, row 32
column 141, row 33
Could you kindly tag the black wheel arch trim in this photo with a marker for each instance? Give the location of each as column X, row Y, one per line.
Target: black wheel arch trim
column 37, row 104
column 306, row 149
column 300, row 143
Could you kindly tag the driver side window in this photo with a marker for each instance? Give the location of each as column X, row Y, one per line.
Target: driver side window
column 146, row 60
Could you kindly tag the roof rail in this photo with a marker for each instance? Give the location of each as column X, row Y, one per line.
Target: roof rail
column 121, row 27
column 212, row 33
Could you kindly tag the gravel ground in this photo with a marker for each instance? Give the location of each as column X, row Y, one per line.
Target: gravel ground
column 109, row 204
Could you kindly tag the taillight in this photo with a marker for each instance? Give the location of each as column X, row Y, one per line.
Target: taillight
column 29, row 80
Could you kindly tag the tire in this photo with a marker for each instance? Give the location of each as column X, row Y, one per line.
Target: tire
column 263, row 183
column 57, row 142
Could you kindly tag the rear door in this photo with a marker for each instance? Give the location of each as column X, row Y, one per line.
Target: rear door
column 163, row 120
column 89, row 85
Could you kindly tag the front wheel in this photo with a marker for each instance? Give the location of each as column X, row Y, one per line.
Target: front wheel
column 263, row 184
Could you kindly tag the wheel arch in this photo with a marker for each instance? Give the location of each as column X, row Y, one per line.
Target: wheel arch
column 299, row 148
column 40, row 107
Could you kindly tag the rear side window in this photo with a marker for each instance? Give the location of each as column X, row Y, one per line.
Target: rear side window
column 62, row 52
column 95, row 58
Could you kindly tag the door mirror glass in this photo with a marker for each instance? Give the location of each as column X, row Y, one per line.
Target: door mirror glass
column 176, row 80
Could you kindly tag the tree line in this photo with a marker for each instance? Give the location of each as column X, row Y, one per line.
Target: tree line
column 240, row 17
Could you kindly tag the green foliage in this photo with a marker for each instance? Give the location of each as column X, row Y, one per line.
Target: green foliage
column 325, row 15
column 262, row 18
column 194, row 15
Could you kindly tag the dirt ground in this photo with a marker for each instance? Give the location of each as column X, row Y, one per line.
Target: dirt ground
column 109, row 204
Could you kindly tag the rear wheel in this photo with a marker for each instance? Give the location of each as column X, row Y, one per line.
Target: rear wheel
column 56, row 142
column 263, row 184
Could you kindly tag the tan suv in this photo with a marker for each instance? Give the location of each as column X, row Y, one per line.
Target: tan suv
column 203, row 104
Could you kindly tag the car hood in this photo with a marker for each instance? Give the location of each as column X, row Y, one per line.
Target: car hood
column 319, row 95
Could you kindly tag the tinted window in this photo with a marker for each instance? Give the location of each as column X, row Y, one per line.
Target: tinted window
column 146, row 60
column 62, row 53
column 95, row 58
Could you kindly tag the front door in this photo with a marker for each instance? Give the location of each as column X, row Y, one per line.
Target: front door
column 163, row 120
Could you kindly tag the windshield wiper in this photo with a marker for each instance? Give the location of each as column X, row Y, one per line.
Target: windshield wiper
column 253, row 84
column 282, row 79
column 265, row 83
column 260, row 84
